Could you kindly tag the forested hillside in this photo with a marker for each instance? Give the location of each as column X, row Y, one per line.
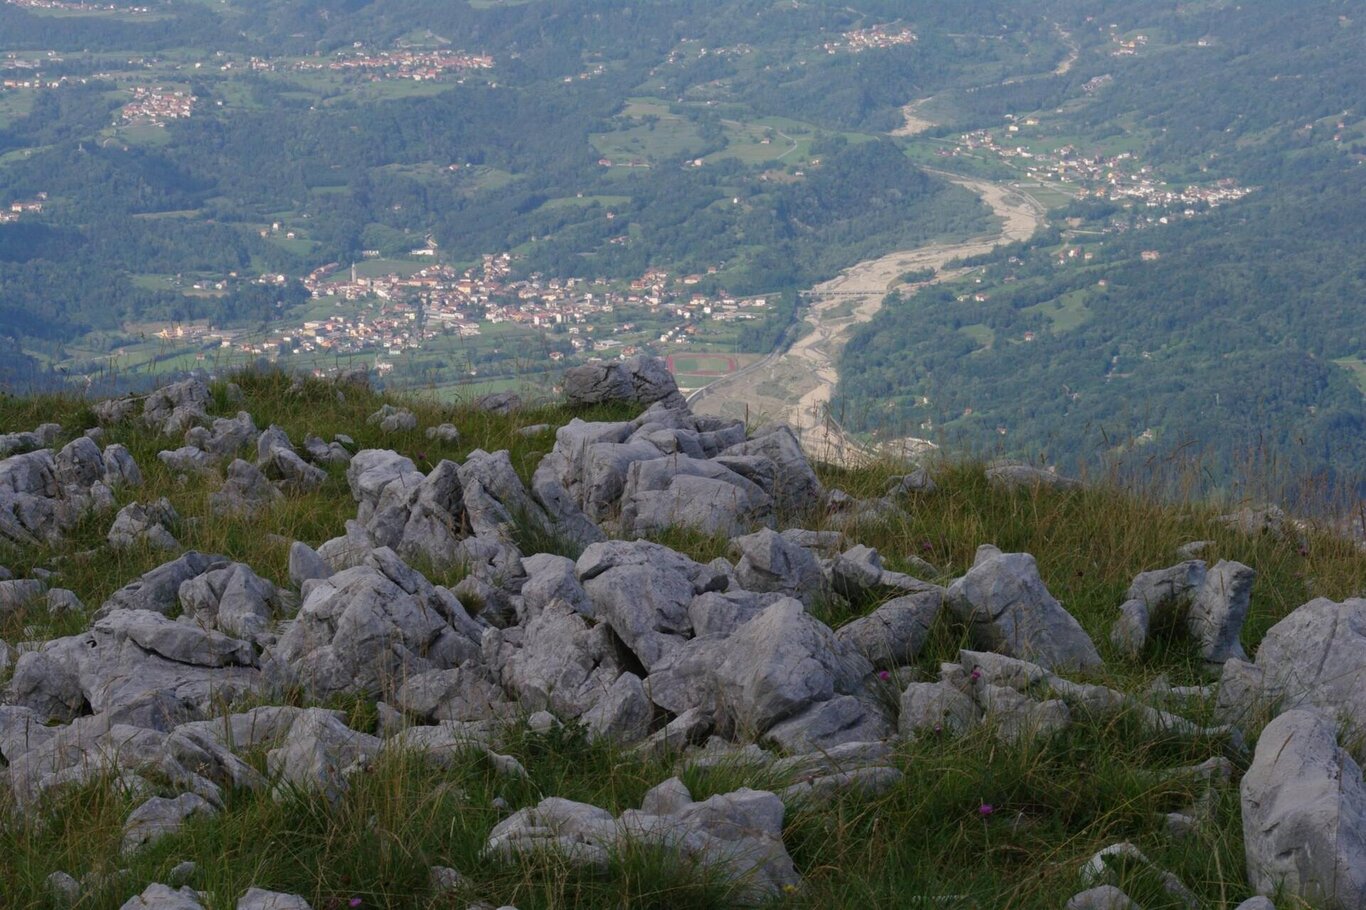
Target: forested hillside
column 1232, row 335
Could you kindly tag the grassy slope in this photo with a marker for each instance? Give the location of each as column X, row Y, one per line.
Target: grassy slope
column 1054, row 803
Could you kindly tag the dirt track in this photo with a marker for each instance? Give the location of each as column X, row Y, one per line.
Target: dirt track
column 796, row 386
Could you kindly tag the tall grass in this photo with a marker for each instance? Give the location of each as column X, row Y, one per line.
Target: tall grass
column 927, row 842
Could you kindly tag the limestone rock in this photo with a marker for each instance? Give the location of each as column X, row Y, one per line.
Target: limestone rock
column 1102, row 897
column 246, row 491
column 1218, row 610
column 147, row 525
column 368, row 628
column 1304, row 814
column 767, row 562
column 159, row 817
column 317, row 751
column 260, row 899
column 638, row 380
column 1007, row 609
column 393, row 420
column 1315, row 657
column 162, row 897
column 893, row 634
column 1015, row 476
column 447, row 433
column 936, row 708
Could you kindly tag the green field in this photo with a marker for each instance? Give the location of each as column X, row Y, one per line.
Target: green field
column 1064, row 313
column 1357, row 367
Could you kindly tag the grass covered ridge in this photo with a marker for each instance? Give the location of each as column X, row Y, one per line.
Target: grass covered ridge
column 925, row 843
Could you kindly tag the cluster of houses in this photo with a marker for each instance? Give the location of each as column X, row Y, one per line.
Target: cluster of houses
column 23, row 207
column 155, row 106
column 867, row 39
column 417, row 65
column 79, row 6
column 1115, row 177
column 404, row 312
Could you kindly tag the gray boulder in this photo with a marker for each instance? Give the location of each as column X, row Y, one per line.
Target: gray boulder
column 120, row 470
column 1313, row 658
column 447, row 433
column 636, row 380
column 259, row 899
column 162, row 897
column 498, row 402
column 393, row 420
column 1007, row 609
column 290, row 472
column 225, row 437
column 893, row 634
column 796, row 488
column 159, row 817
column 189, row 460
column 1218, row 610
column 686, row 492
column 368, row 628
column 1016, row 476
column 1304, row 814
column 245, row 492
column 173, row 409
column 318, row 752
column 780, row 663
column 145, row 525
column 305, row 563
column 159, row 589
column 1102, row 897
column 936, row 708
column 767, row 562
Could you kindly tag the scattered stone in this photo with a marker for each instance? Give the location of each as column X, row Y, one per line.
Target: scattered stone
column 447, row 433
column 187, row 460
column 636, row 380
column 767, row 562
column 918, row 481
column 393, row 420
column 443, row 880
column 18, row 593
column 259, row 899
column 936, row 708
column 161, row 897
column 63, row 888
column 893, row 634
column 305, row 564
column 173, row 409
column 498, row 402
column 318, row 752
column 535, row 429
column 1015, row 476
column 1103, row 897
